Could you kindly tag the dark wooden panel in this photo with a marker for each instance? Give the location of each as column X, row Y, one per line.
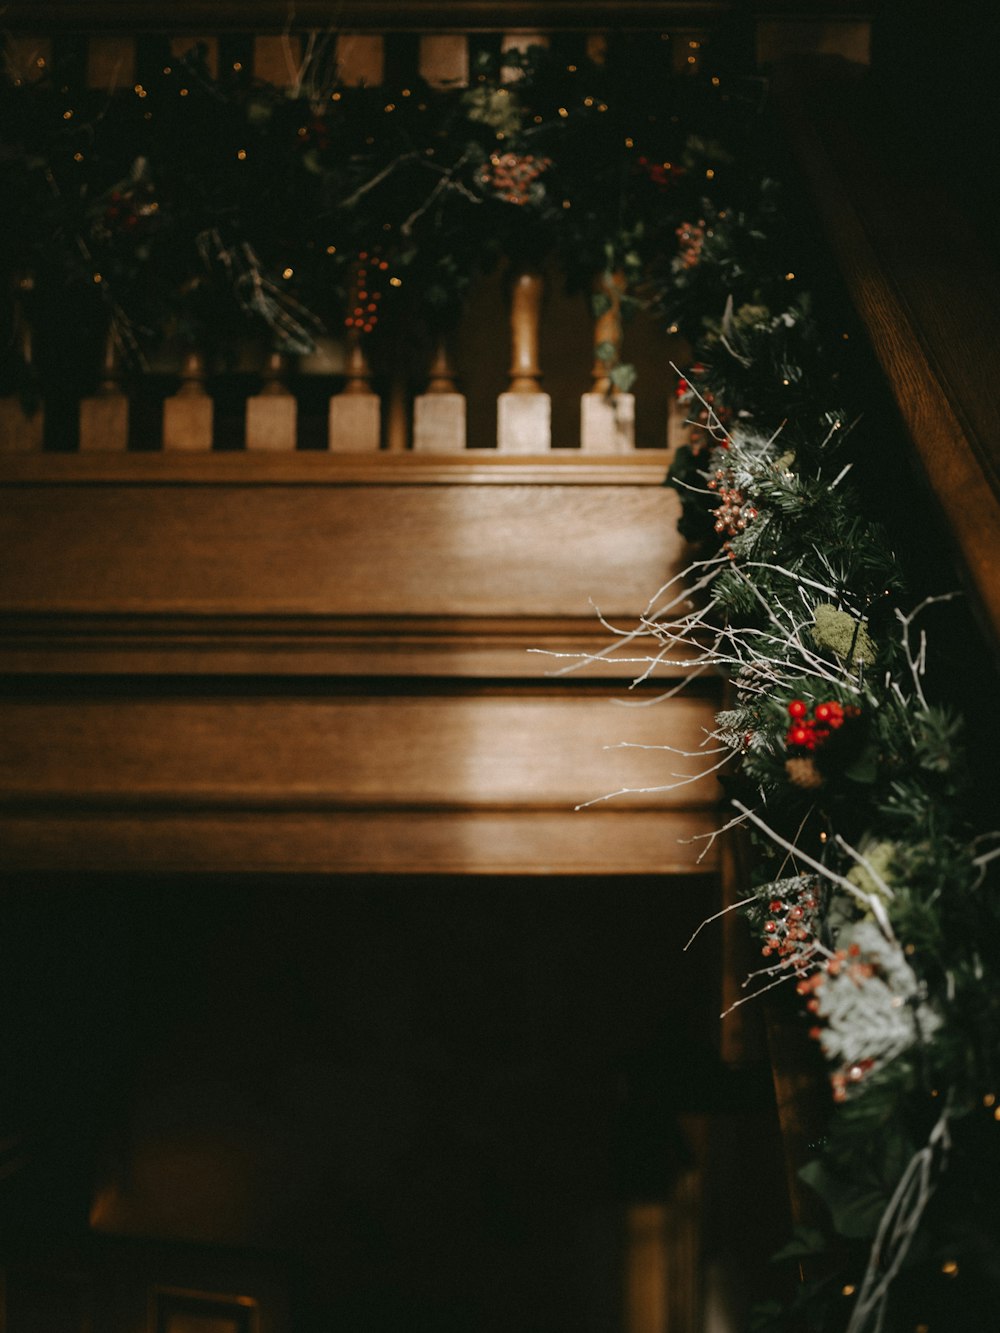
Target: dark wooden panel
column 598, row 842
column 512, row 749
column 300, row 550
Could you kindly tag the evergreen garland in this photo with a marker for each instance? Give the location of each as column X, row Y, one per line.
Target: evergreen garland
column 875, row 899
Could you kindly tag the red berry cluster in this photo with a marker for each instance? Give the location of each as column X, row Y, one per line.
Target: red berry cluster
column 511, row 176
column 660, row 173
column 691, row 236
column 364, row 315
column 129, row 211
column 789, row 928
column 733, row 514
column 806, row 733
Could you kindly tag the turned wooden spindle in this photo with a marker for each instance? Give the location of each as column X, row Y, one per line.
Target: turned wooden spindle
column 439, row 413
column 524, row 412
column 355, row 418
column 104, row 413
column 188, row 413
column 397, row 424
column 607, row 415
column 272, row 414
column 21, row 430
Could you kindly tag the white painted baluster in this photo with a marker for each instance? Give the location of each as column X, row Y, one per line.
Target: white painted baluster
column 607, row 416
column 180, row 46
column 524, row 412
column 272, row 414
column 444, row 59
column 27, row 58
column 104, row 414
column 277, row 60
column 355, row 412
column 522, row 42
column 439, row 414
column 360, row 59
column 20, row 432
column 188, row 414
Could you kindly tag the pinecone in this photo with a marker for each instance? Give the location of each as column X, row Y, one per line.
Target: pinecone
column 804, row 773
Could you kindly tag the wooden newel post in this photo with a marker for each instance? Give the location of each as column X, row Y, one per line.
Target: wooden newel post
column 607, row 416
column 355, row 413
column 20, row 431
column 524, row 412
column 187, row 414
column 439, row 414
column 272, row 414
column 104, row 414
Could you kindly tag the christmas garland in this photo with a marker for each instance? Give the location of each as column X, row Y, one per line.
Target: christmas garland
column 192, row 208
column 875, row 896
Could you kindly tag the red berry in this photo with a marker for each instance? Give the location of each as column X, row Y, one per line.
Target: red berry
column 797, row 708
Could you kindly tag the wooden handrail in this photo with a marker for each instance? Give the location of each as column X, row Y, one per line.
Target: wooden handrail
column 403, row 15
column 928, row 292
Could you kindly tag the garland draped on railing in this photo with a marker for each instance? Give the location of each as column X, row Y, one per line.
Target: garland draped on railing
column 875, row 899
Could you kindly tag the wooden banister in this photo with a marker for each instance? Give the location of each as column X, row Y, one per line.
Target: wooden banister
column 276, row 15
column 928, row 291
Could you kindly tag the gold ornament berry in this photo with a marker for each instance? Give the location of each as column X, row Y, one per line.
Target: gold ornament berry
column 804, row 773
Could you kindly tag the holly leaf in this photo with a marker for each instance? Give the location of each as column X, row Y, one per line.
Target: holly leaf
column 854, row 1210
column 864, row 769
column 805, row 1241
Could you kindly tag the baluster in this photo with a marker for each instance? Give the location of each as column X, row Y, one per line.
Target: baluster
column 524, row 412
column 110, row 61
column 360, row 59
column 27, row 58
column 355, row 412
column 272, row 414
column 444, row 59
column 521, row 42
column 439, row 414
column 607, row 416
column 104, row 414
column 180, row 46
column 188, row 413
column 21, row 431
column 397, row 426
column 277, row 60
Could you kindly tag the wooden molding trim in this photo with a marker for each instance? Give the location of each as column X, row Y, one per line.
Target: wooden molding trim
column 476, row 467
column 468, row 647
column 255, row 15
column 362, row 842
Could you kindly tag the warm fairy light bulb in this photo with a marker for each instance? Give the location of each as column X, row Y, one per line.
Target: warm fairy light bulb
column 241, row 154
column 848, row 1289
column 98, row 277
column 395, row 282
column 629, row 143
column 710, row 174
column 563, row 112
column 237, row 66
column 331, row 249
column 77, row 157
column 67, row 115
column 390, row 106
column 184, row 92
column 287, row 272
column 789, row 277
column 950, row 1268
column 990, row 1099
